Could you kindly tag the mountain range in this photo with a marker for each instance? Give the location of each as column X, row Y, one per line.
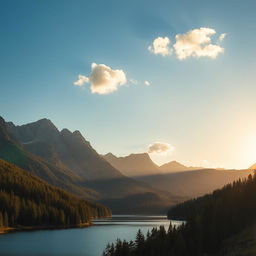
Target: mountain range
column 175, row 177
column 141, row 164
column 131, row 184
column 65, row 159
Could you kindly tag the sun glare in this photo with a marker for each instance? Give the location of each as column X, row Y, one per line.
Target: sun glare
column 249, row 150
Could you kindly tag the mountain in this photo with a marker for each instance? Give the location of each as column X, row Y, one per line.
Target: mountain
column 194, row 183
column 136, row 165
column 26, row 200
column 63, row 148
column 82, row 168
column 174, row 166
column 173, row 177
column 12, row 151
column 69, row 150
column 133, row 165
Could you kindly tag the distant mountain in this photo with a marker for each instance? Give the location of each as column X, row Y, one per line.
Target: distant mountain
column 174, row 166
column 29, row 201
column 194, row 183
column 78, row 167
column 133, row 165
column 174, row 177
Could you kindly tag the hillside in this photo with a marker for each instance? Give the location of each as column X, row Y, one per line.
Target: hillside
column 25, row 200
column 221, row 223
column 63, row 148
column 194, row 183
column 222, row 214
column 67, row 160
column 12, row 151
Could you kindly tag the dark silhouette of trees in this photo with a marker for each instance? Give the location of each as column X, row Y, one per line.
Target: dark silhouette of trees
column 25, row 200
column 209, row 221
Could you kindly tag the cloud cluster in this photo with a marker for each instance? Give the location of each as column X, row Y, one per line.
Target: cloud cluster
column 195, row 43
column 159, row 148
column 160, row 46
column 103, row 79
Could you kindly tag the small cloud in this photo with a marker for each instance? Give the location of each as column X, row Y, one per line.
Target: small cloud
column 160, row 46
column 81, row 80
column 147, row 83
column 197, row 43
column 222, row 36
column 134, row 81
column 160, row 148
column 103, row 79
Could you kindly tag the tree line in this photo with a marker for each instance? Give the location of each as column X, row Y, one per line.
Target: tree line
column 25, row 200
column 209, row 221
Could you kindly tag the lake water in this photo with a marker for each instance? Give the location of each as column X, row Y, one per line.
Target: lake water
column 89, row 241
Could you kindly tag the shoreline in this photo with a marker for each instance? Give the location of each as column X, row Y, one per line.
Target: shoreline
column 5, row 230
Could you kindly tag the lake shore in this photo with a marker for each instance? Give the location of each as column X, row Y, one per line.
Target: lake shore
column 5, row 230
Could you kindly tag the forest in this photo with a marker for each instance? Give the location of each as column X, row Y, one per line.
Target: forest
column 208, row 222
column 26, row 200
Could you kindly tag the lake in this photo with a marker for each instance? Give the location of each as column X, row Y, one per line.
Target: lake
column 89, row 241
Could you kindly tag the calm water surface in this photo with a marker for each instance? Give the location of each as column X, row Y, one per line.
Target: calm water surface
column 80, row 241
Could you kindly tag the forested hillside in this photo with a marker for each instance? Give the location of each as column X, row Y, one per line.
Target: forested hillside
column 210, row 221
column 25, row 200
column 67, row 160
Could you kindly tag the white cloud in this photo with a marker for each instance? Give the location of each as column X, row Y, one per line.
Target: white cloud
column 161, row 46
column 81, row 80
column 147, row 83
column 159, row 148
column 103, row 79
column 222, row 36
column 197, row 43
column 134, row 81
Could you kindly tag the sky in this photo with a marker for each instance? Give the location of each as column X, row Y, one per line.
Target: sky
column 172, row 78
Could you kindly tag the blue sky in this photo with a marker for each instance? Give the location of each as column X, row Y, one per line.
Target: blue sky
column 205, row 108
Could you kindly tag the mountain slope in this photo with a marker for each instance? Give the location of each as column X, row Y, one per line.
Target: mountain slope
column 133, row 165
column 12, row 151
column 70, row 152
column 221, row 223
column 221, row 215
column 28, row 201
column 63, row 148
column 194, row 183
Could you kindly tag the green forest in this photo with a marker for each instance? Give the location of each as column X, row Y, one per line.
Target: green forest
column 208, row 222
column 26, row 200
